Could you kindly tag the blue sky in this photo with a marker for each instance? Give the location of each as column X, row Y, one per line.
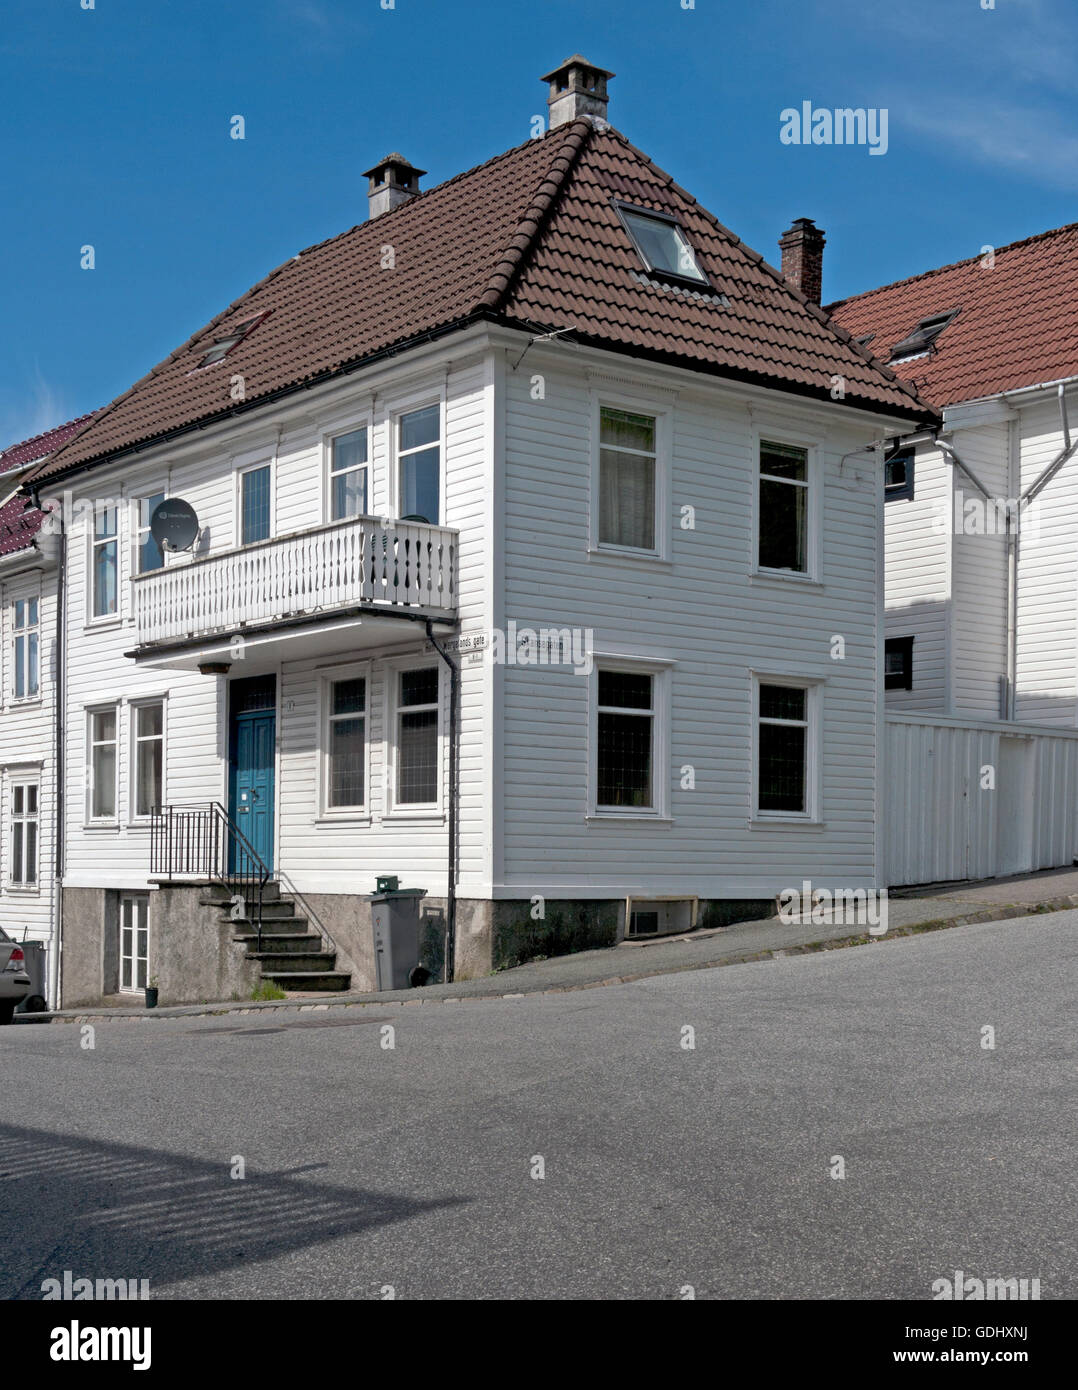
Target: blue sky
column 115, row 133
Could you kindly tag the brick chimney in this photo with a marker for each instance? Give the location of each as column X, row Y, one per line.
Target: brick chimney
column 802, row 258
column 392, row 181
column 577, row 88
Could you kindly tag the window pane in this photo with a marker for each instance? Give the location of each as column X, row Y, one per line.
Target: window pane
column 150, row 721
column 256, row 505
column 626, row 499
column 30, row 865
column 104, row 522
column 32, row 612
column 125, row 970
column 349, row 697
column 783, row 460
column 419, row 687
column 350, row 450
column 350, row 494
column 16, row 851
column 20, row 613
column 31, row 799
column 346, row 762
column 663, row 244
column 104, row 579
column 149, row 552
column 20, row 667
column 32, row 663
column 104, row 725
column 621, row 429
column 624, row 760
column 420, row 427
column 781, row 702
column 783, row 525
column 104, row 796
column 625, row 690
column 782, row 768
column 419, row 484
column 417, row 753
column 149, row 776
column 18, row 799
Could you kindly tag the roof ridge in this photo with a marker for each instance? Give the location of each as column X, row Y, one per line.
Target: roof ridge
column 529, row 228
column 817, row 311
column 955, row 265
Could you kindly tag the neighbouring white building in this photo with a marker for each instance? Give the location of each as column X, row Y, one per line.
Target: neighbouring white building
column 535, row 562
column 981, row 566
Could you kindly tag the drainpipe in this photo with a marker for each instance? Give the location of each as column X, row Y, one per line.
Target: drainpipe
column 1014, row 523
column 58, row 697
column 454, row 736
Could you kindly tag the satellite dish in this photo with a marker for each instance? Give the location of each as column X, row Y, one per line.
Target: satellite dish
column 174, row 524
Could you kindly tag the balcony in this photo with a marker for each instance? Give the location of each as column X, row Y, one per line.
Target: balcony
column 355, row 567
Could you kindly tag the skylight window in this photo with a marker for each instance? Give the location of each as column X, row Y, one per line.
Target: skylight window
column 662, row 245
column 221, row 347
column 923, row 337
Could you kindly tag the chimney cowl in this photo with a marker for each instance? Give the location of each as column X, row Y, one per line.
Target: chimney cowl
column 391, row 181
column 802, row 257
column 577, row 88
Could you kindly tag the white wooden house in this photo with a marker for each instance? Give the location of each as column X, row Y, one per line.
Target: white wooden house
column 981, row 567
column 539, row 526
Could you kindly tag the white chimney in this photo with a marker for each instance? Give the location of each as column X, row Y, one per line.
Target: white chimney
column 392, row 181
column 577, row 88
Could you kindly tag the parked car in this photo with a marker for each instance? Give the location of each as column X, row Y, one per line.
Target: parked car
column 14, row 981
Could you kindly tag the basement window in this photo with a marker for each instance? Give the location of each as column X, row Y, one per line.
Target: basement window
column 923, row 337
column 662, row 245
column 898, row 663
column 221, row 347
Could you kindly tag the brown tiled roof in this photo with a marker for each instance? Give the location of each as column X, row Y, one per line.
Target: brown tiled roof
column 19, row 521
column 530, row 238
column 1018, row 324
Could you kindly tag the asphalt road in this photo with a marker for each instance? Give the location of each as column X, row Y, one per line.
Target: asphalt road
column 411, row 1168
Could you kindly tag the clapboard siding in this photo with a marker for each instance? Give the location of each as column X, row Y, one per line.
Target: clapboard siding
column 918, row 580
column 704, row 613
column 979, row 575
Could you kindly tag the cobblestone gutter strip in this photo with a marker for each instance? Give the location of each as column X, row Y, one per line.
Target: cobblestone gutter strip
column 308, row 1003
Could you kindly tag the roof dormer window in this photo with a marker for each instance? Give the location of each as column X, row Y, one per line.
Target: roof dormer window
column 923, row 337
column 221, row 347
column 661, row 244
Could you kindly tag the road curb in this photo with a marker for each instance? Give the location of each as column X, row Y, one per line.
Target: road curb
column 998, row 914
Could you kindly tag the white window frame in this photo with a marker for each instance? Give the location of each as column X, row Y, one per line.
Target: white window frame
column 813, row 447
column 134, row 707
column 327, row 678
column 240, row 470
column 22, row 635
column 138, row 531
column 140, row 901
column 407, row 405
column 91, row 819
column 426, row 811
column 103, row 619
column 660, row 671
column 363, row 422
column 662, row 413
column 813, row 687
column 24, row 780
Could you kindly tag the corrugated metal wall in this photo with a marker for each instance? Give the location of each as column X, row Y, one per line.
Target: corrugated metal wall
column 942, row 822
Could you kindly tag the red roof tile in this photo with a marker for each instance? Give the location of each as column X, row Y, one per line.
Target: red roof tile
column 1018, row 324
column 19, row 521
column 530, row 238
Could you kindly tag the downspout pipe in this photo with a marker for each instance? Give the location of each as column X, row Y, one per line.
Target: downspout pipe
column 454, row 739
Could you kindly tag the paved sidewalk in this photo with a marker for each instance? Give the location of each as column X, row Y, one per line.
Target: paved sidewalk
column 931, row 908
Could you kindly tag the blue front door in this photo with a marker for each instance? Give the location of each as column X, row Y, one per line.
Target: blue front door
column 252, row 743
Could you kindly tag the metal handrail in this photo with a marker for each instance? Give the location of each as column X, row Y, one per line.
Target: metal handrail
column 204, row 842
column 308, row 911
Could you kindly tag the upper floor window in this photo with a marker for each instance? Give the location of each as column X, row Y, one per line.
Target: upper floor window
column 105, row 562
column 419, row 454
column 783, row 507
column 348, row 475
column 346, row 744
column 255, row 504
column 898, row 475
column 27, row 648
column 102, row 760
column 898, row 663
column 661, row 244
column 417, row 737
column 627, row 479
column 148, row 756
column 24, row 833
column 149, row 555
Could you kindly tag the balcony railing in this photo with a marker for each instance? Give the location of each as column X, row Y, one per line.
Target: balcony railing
column 363, row 561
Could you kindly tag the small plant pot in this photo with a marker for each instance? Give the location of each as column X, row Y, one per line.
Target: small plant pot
column 151, row 997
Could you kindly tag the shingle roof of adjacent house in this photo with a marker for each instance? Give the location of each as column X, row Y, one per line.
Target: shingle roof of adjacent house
column 531, row 238
column 1017, row 325
column 19, row 521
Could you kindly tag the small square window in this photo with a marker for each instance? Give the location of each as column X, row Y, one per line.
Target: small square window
column 898, row 663
column 661, row 244
column 898, row 475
